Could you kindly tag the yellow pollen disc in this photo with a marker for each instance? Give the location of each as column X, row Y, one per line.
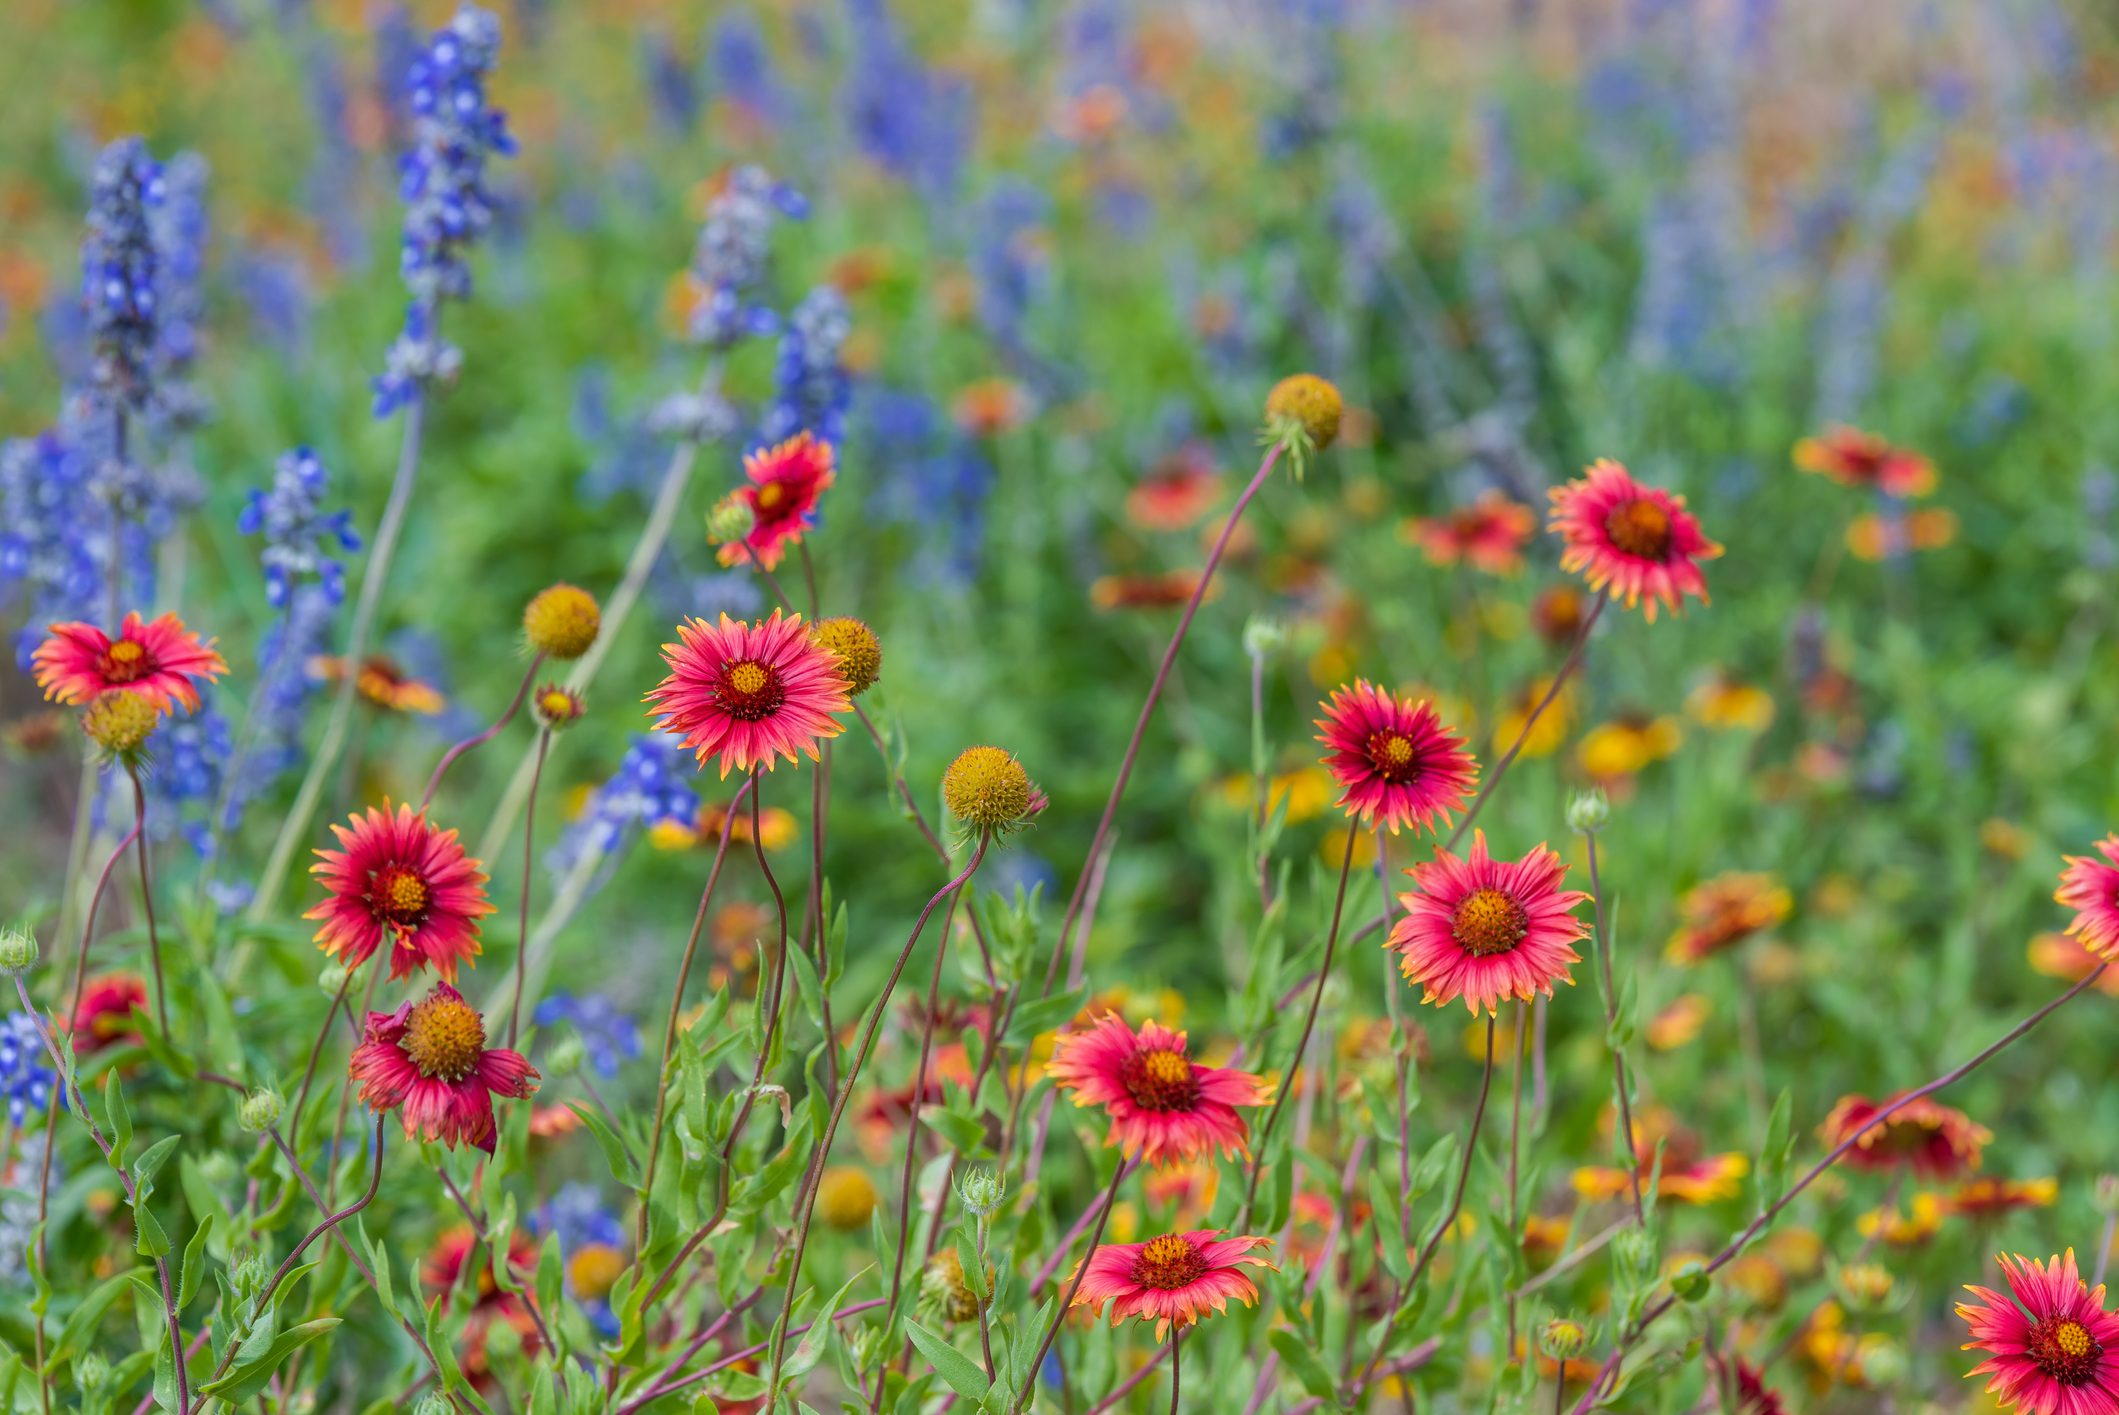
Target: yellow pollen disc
column 1397, row 750
column 1168, row 1263
column 770, row 495
column 1489, row 922
column 747, row 678
column 444, row 1038
column 406, row 895
column 125, row 651
column 2073, row 1338
column 558, row 705
column 1167, row 1068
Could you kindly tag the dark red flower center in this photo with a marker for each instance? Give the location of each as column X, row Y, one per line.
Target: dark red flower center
column 2064, row 1349
column 1393, row 756
column 1488, row 922
column 1168, row 1263
column 751, row 691
column 1159, row 1079
column 1640, row 527
column 126, row 662
column 444, row 1038
column 398, row 897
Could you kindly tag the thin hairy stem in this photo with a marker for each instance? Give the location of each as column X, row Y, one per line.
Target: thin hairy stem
column 522, row 937
column 448, row 758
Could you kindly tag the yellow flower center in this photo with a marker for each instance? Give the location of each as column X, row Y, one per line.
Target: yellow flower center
column 986, row 787
column 444, row 1038
column 2064, row 1349
column 750, row 691
column 1640, row 528
column 771, row 495
column 1168, row 1263
column 126, row 661
column 399, row 897
column 1488, row 922
column 1159, row 1079
column 1391, row 754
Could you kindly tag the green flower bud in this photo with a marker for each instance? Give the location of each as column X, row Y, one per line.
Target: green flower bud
column 1563, row 1339
column 18, row 950
column 565, row 1056
column 1691, row 1281
column 1263, row 637
column 260, row 1110
column 91, row 1372
column 332, row 978
column 1588, row 810
column 980, row 1190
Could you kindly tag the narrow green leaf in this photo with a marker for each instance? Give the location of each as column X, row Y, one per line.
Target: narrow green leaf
column 962, row 1373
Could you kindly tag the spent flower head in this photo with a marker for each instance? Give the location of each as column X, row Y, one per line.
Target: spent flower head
column 562, row 621
column 120, row 724
column 1302, row 415
column 858, row 651
column 987, row 789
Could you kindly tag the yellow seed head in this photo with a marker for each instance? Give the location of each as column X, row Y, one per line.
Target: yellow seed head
column 557, row 707
column 988, row 788
column 855, row 646
column 846, row 1196
column 562, row 621
column 120, row 723
column 1306, row 402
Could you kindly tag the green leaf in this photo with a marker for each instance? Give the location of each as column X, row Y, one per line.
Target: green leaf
column 819, row 1336
column 81, row 1322
column 1304, row 1362
column 614, row 1154
column 551, row 1274
column 120, row 1117
column 1033, row 1019
column 194, row 1261
column 1774, row 1159
column 962, row 1374
column 148, row 1165
column 250, row 1377
column 148, row 1238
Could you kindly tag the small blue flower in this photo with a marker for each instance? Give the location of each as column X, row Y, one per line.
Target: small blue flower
column 609, row 1035
column 651, row 785
column 296, row 528
column 729, row 258
column 119, row 282
column 811, row 389
column 25, row 1076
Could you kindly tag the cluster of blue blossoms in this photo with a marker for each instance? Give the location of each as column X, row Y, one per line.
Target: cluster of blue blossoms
column 652, row 785
column 448, row 205
column 290, row 515
column 608, row 1035
column 118, row 272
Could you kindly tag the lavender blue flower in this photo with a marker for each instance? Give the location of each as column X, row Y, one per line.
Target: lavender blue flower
column 652, row 784
column 811, row 385
column 18, row 1208
column 119, row 280
column 608, row 1035
column 26, row 1075
column 179, row 228
column 729, row 260
column 296, row 528
column 913, row 121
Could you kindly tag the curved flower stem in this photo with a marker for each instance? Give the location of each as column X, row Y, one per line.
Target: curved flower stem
column 1515, row 1148
column 1758, row 1225
column 1449, row 1218
column 49, row 1035
column 325, row 1225
column 51, row 1104
column 1530, row 723
column 815, row 925
column 1611, row 1017
column 338, row 1000
column 934, row 841
column 734, row 1358
column 1081, row 1269
column 1177, row 1335
column 147, row 899
column 912, row 1132
column 669, row 1032
column 373, row 578
column 1309, row 1024
column 448, row 758
column 1147, row 710
column 359, row 1022
column 529, row 831
column 817, row 1161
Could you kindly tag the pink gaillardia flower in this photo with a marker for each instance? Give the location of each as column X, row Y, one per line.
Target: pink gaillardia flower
column 1855, row 458
column 399, row 877
column 429, row 1062
column 2091, row 888
column 1933, row 1140
column 1394, row 758
column 160, row 661
column 1639, row 541
column 2052, row 1349
column 750, row 694
column 787, row 480
column 1173, row 1280
column 1487, row 930
column 1163, row 1105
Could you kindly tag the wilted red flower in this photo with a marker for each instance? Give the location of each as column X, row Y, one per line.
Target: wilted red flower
column 429, row 1061
column 749, row 694
column 1490, row 533
column 104, row 1017
column 161, row 662
column 400, row 878
column 786, row 482
column 2053, row 1350
column 1173, row 1280
column 1638, row 540
column 1394, row 758
column 1933, row 1140
column 1485, row 930
column 1852, row 457
column 2091, row 888
column 1163, row 1105
column 1983, row 1198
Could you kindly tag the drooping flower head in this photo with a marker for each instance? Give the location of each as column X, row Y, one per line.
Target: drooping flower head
column 1486, row 930
column 1639, row 541
column 1173, row 1280
column 400, row 878
column 1163, row 1105
column 161, row 661
column 786, row 481
column 1394, row 758
column 1489, row 534
column 429, row 1061
column 1933, row 1140
column 1724, row 911
column 2091, row 888
column 749, row 694
column 104, row 1017
column 2051, row 1347
column 1852, row 457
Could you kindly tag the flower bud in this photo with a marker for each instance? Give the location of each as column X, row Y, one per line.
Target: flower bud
column 565, row 1056
column 332, row 978
column 18, row 950
column 1635, row 1250
column 1263, row 636
column 1882, row 1362
column 91, row 1372
column 1691, row 1281
column 432, row 1404
column 729, row 520
column 260, row 1110
column 557, row 707
column 1563, row 1339
column 1866, row 1285
column 980, row 1191
column 1588, row 810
